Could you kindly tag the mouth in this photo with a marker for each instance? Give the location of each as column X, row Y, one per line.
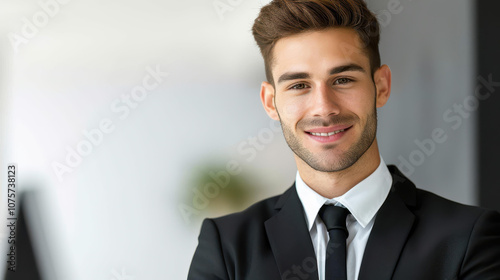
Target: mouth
column 328, row 134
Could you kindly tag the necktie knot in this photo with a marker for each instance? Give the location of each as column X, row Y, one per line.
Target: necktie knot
column 334, row 218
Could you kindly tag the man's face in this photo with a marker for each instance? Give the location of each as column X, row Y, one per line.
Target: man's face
column 324, row 97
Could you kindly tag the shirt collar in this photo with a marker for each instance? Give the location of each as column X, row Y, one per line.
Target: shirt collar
column 363, row 200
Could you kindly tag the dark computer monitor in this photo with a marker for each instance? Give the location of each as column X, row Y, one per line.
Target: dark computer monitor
column 29, row 240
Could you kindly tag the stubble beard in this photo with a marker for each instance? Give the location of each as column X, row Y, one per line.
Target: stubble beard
column 325, row 162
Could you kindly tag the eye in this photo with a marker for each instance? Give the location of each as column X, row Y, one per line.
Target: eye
column 299, row 86
column 342, row 81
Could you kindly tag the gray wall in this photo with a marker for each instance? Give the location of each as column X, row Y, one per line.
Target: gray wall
column 429, row 46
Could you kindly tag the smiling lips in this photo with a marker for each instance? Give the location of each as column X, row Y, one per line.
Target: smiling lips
column 328, row 134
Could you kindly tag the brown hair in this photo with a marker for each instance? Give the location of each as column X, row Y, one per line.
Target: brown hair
column 282, row 18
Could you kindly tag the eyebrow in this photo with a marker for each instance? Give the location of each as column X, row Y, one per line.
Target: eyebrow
column 335, row 70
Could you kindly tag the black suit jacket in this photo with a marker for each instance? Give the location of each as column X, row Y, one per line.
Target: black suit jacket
column 416, row 235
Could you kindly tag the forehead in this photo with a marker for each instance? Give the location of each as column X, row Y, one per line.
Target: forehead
column 319, row 50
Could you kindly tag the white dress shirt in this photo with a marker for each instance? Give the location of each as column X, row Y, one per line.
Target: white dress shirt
column 363, row 201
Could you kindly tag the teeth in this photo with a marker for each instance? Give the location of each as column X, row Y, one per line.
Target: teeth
column 327, row 134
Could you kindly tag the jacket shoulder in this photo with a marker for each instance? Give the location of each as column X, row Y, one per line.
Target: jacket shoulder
column 444, row 208
column 449, row 221
column 428, row 205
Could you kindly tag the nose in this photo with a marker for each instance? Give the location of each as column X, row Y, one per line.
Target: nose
column 323, row 101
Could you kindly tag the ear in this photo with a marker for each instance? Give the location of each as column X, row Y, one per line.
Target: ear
column 382, row 79
column 267, row 94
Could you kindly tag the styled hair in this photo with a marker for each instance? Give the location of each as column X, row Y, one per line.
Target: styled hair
column 282, row 18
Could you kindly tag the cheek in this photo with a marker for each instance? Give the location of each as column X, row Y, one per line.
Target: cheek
column 361, row 104
column 291, row 108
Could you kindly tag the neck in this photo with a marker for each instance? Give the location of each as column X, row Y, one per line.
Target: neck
column 334, row 184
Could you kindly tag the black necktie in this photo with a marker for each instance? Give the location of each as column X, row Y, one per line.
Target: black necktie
column 334, row 218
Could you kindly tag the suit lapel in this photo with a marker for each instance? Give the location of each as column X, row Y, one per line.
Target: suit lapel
column 290, row 240
column 392, row 225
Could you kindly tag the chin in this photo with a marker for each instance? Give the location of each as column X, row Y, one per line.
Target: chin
column 333, row 164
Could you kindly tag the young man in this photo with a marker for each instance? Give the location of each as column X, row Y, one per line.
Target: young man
column 348, row 215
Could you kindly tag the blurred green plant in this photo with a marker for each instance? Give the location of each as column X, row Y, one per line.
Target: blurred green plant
column 212, row 191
